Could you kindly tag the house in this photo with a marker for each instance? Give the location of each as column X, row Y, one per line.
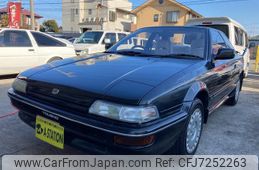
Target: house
column 25, row 18
column 80, row 16
column 162, row 13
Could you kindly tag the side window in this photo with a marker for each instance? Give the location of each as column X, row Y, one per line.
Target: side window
column 46, row 41
column 246, row 40
column 228, row 43
column 111, row 36
column 217, row 42
column 1, row 39
column 121, row 36
column 15, row 39
column 239, row 37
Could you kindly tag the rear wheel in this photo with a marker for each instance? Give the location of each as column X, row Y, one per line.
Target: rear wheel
column 189, row 139
column 235, row 95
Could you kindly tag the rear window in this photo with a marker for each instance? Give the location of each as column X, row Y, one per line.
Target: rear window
column 223, row 28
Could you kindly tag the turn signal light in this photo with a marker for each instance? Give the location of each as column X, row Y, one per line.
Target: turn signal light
column 130, row 141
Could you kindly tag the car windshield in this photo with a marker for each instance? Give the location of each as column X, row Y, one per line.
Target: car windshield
column 185, row 42
column 90, row 37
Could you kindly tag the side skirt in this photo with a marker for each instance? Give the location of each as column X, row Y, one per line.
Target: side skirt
column 217, row 105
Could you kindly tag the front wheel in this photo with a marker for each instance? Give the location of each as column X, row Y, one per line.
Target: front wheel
column 189, row 139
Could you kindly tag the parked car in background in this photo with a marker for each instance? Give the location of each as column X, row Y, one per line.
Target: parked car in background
column 233, row 30
column 150, row 98
column 92, row 42
column 24, row 49
column 253, row 44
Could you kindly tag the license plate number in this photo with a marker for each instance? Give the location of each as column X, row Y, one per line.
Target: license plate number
column 50, row 132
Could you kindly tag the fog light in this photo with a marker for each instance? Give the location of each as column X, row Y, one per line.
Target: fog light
column 134, row 141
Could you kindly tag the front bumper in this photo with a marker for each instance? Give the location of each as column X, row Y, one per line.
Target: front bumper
column 97, row 136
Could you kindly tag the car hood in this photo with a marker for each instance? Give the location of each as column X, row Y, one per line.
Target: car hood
column 123, row 78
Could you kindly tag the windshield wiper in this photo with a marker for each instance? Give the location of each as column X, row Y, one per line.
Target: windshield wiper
column 183, row 55
column 133, row 53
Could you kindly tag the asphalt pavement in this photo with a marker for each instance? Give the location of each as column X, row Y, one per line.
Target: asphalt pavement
column 230, row 130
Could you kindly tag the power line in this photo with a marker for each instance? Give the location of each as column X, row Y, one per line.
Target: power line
column 195, row 2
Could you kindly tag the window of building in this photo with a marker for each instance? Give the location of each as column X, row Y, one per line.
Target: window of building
column 172, row 16
column 76, row 11
column 15, row 39
column 72, row 1
column 90, row 11
column 156, row 17
column 46, row 41
column 112, row 16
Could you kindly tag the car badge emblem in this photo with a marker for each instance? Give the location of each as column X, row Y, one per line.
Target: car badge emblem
column 55, row 91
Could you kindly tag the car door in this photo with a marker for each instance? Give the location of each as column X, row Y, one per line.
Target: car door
column 112, row 37
column 223, row 70
column 17, row 52
column 121, row 36
column 49, row 47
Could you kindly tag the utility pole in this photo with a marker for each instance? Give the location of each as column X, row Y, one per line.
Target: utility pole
column 32, row 14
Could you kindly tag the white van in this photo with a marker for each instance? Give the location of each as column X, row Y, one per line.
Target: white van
column 97, row 41
column 234, row 31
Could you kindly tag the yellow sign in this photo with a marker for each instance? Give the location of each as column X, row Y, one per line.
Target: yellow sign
column 50, row 132
column 257, row 60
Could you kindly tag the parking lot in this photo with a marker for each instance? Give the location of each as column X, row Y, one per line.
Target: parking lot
column 230, row 130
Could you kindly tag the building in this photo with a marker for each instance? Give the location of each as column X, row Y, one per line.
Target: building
column 25, row 18
column 162, row 13
column 81, row 15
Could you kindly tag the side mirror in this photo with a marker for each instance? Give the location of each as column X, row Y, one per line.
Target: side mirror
column 225, row 54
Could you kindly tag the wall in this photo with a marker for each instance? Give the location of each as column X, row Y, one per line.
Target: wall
column 146, row 15
column 67, row 24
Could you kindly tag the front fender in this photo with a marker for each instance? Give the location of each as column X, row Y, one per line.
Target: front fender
column 194, row 90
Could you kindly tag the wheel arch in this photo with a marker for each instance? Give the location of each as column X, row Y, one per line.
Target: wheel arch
column 54, row 58
column 199, row 90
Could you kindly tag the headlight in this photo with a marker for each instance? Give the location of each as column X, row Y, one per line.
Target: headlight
column 20, row 85
column 124, row 113
column 84, row 52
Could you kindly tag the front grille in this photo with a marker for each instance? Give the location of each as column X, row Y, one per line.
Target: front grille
column 69, row 99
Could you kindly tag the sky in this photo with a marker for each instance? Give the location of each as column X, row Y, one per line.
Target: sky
column 243, row 11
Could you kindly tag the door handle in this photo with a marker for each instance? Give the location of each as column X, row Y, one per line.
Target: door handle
column 31, row 50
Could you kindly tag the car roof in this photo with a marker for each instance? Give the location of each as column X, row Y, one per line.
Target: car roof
column 216, row 19
column 194, row 27
column 16, row 29
column 108, row 31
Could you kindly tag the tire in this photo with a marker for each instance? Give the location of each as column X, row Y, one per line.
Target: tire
column 54, row 59
column 232, row 101
column 188, row 136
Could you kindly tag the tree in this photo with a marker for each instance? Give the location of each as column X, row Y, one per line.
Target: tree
column 4, row 21
column 50, row 26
